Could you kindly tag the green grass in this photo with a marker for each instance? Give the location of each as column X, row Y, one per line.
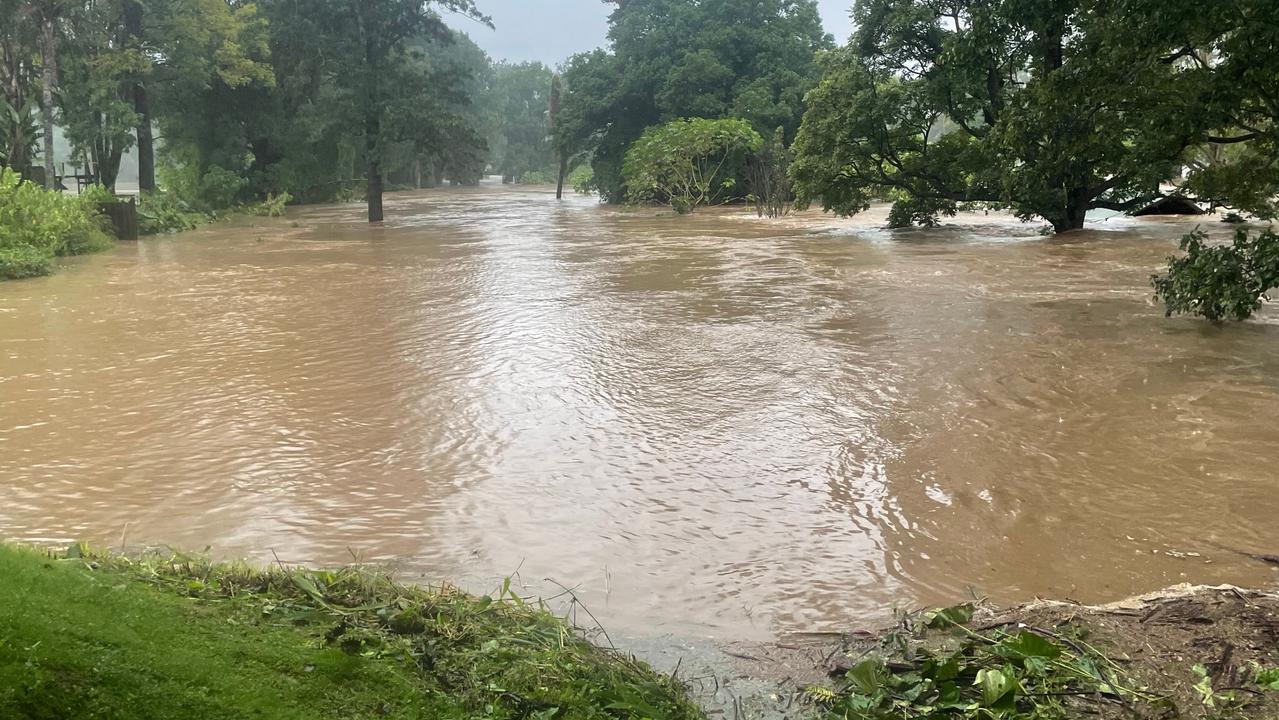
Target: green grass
column 178, row 637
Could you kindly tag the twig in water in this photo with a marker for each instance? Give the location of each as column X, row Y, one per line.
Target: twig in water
column 594, row 619
column 278, row 561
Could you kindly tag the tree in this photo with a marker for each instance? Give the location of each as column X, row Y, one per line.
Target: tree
column 671, row 59
column 1048, row 107
column 50, row 12
column 19, row 41
column 370, row 35
column 1220, row 281
column 519, row 105
column 97, row 116
column 688, row 163
column 561, row 148
column 768, row 171
column 133, row 27
column 1229, row 48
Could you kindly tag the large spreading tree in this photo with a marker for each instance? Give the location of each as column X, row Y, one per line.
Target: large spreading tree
column 1048, row 107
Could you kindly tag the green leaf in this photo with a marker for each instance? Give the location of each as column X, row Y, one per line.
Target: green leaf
column 995, row 685
column 947, row 617
column 866, row 677
column 1027, row 644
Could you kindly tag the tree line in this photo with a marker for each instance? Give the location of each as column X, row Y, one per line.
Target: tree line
column 1046, row 108
column 226, row 102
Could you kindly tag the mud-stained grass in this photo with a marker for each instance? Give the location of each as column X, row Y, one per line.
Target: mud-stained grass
column 1195, row 653
column 174, row 636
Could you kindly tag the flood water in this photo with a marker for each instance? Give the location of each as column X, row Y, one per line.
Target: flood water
column 712, row 425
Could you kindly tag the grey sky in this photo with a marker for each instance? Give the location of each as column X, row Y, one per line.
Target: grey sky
column 551, row 30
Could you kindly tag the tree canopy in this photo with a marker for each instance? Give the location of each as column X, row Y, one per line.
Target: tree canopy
column 1048, row 107
column 672, row 59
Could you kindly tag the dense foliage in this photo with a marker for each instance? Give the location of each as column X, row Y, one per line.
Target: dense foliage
column 688, row 163
column 1048, row 107
column 1221, row 281
column 248, row 109
column 673, row 59
column 518, row 103
column 941, row 665
column 37, row 226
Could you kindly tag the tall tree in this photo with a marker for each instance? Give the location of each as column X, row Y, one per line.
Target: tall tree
column 19, row 48
column 133, row 28
column 50, row 12
column 671, row 59
column 519, row 105
column 96, row 112
column 370, row 35
column 561, row 147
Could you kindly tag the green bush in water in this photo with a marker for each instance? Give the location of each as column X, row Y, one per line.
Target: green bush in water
column 37, row 225
column 19, row 261
column 1220, row 281
column 273, row 206
column 163, row 212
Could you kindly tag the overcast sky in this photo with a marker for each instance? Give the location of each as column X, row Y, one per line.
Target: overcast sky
column 552, row 30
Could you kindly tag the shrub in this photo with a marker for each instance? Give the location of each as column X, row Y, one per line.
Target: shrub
column 538, row 177
column 37, row 225
column 1220, row 281
column 164, row 212
column 273, row 206
column 97, row 195
column 688, row 163
column 582, row 180
column 21, row 261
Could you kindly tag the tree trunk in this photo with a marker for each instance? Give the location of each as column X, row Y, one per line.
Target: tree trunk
column 1073, row 215
column 141, row 104
column 559, row 183
column 375, row 191
column 372, row 145
column 109, row 168
column 146, row 140
column 48, row 78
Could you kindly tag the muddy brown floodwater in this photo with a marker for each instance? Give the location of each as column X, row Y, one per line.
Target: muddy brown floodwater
column 711, row 425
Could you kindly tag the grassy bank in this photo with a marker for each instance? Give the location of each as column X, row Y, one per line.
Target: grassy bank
column 177, row 637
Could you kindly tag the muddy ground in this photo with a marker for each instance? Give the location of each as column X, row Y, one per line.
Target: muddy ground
column 1157, row 638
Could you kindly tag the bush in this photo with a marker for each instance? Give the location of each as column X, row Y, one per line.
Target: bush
column 1220, row 281
column 163, row 212
column 273, row 206
column 538, row 177
column 20, row 261
column 688, row 163
column 37, row 225
column 211, row 191
column 582, row 180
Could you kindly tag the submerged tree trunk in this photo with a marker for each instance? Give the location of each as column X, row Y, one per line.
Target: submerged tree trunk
column 559, row 183
column 1072, row 216
column 141, row 104
column 375, row 191
column 48, row 78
